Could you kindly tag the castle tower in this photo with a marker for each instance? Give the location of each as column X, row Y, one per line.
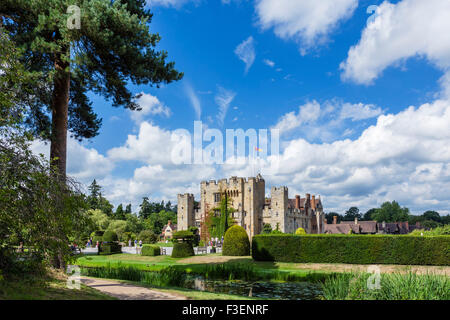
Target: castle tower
column 254, row 199
column 279, row 203
column 185, row 213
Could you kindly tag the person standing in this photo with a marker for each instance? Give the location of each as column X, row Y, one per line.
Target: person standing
column 140, row 243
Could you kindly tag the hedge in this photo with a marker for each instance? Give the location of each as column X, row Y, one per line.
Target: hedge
column 354, row 249
column 182, row 249
column 110, row 248
column 97, row 236
column 235, row 242
column 150, row 250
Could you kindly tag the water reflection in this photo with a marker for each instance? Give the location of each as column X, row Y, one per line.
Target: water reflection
column 269, row 290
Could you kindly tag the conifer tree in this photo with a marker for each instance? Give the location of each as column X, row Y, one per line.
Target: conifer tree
column 99, row 46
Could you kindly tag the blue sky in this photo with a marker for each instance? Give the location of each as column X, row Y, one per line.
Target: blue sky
column 337, row 87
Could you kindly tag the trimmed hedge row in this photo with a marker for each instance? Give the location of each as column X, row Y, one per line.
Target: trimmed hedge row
column 110, row 248
column 354, row 249
column 150, row 250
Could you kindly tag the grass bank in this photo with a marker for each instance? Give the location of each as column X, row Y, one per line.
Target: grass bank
column 50, row 286
column 123, row 266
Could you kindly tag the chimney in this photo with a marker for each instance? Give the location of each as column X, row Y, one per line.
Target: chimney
column 308, row 200
column 356, row 220
column 313, row 204
column 334, row 219
column 297, row 202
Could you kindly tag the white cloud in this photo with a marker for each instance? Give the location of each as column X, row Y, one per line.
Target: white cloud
column 246, row 52
column 410, row 28
column 150, row 106
column 82, row 163
column 195, row 102
column 359, row 111
column 403, row 157
column 223, row 100
column 268, row 62
column 307, row 113
column 308, row 21
column 152, row 145
column 332, row 115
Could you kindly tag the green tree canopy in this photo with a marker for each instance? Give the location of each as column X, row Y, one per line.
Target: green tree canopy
column 351, row 214
column 391, row 212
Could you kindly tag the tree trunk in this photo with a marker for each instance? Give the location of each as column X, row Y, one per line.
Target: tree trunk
column 60, row 105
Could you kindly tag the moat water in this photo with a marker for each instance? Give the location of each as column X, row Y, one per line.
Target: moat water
column 259, row 289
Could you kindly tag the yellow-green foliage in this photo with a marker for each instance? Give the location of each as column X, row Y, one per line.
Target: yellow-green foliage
column 439, row 231
column 236, row 242
column 150, row 250
column 300, row 231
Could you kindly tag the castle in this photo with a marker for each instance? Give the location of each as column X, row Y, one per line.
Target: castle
column 253, row 209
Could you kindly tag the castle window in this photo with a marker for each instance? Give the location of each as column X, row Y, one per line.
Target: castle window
column 216, row 197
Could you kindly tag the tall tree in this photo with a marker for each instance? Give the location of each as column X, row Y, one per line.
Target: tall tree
column 111, row 47
column 391, row 212
column 370, row 214
column 351, row 214
column 119, row 214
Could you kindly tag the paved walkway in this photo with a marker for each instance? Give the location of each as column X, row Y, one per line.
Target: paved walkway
column 125, row 291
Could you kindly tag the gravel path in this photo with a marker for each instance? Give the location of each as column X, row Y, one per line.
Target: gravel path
column 125, row 291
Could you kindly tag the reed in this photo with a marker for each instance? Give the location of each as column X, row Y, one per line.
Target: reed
column 169, row 276
column 395, row 286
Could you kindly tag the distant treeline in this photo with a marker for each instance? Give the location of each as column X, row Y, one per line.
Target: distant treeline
column 391, row 212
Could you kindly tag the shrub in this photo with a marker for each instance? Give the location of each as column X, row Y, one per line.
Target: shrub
column 148, row 237
column 358, row 249
column 97, row 236
column 236, row 242
column 110, row 248
column 184, row 235
column 110, row 236
column 150, row 250
column 182, row 249
column 196, row 238
column 300, row 231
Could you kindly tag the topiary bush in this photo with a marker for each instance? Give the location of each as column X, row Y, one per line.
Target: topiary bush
column 97, row 236
column 184, row 235
column 300, row 231
column 235, row 242
column 110, row 236
column 150, row 250
column 110, row 248
column 355, row 249
column 148, row 237
column 182, row 249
